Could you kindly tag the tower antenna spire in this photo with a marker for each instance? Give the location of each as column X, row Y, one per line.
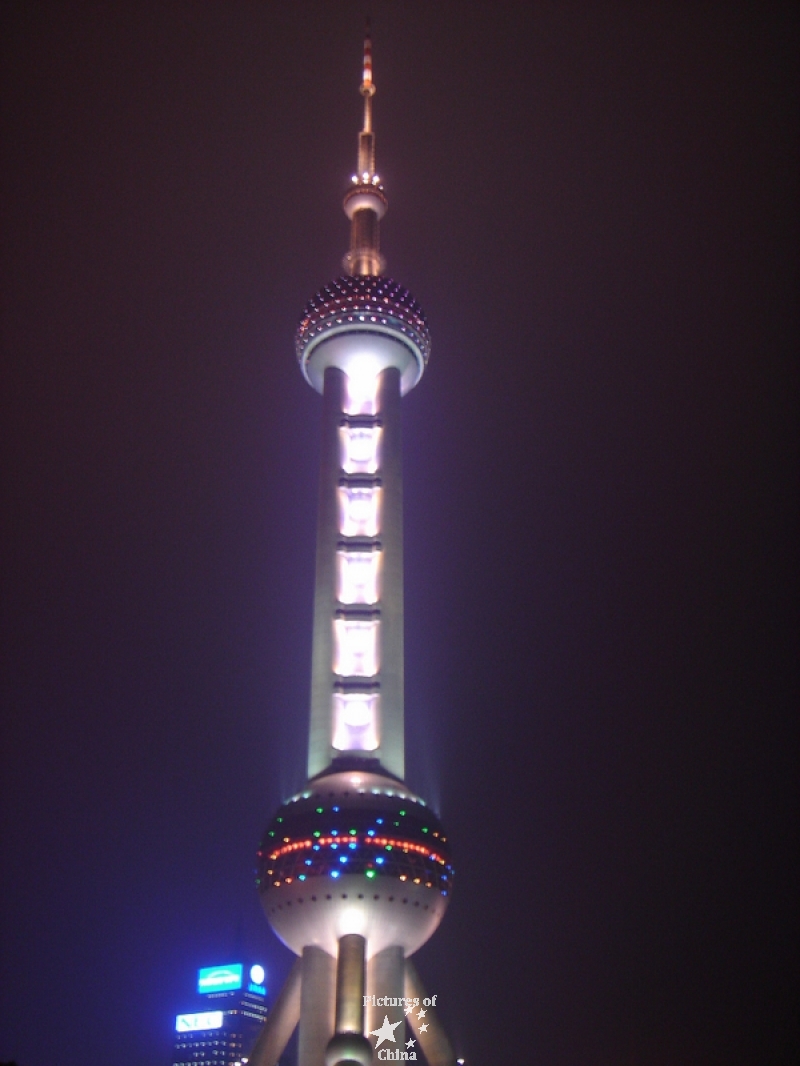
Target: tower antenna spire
column 367, row 85
column 365, row 202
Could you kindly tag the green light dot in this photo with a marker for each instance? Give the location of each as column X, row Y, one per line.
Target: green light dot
column 352, row 832
column 388, row 847
column 317, row 833
column 279, row 819
column 370, row 874
column 402, row 813
column 271, row 833
column 424, row 829
column 320, row 810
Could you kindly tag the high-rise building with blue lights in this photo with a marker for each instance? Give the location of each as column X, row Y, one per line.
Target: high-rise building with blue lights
column 228, row 1010
column 354, row 871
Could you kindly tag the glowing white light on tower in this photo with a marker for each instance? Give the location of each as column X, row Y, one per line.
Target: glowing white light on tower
column 357, row 573
column 362, row 385
column 355, row 647
column 359, row 449
column 355, row 721
column 358, row 510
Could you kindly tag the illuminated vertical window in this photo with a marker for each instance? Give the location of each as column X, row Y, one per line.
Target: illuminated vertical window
column 361, row 394
column 355, row 721
column 357, row 576
column 355, row 647
column 358, row 510
column 359, row 448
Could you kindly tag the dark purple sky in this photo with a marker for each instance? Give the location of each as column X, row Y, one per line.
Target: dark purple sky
column 596, row 205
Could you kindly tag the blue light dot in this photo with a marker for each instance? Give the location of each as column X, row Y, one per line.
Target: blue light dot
column 370, row 832
column 352, row 846
column 335, row 809
column 379, row 821
column 308, row 861
column 334, row 873
column 379, row 859
column 342, row 858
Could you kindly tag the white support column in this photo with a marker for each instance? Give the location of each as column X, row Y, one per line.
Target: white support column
column 385, row 978
column 281, row 1021
column 391, row 729
column 349, row 1046
column 316, row 1006
column 319, row 741
column 437, row 1048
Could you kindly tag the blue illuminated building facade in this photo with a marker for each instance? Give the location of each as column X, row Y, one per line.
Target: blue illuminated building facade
column 227, row 1012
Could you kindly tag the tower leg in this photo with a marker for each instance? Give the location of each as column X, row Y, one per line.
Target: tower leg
column 434, row 1042
column 316, row 1006
column 348, row 1046
column 385, row 979
column 281, row 1021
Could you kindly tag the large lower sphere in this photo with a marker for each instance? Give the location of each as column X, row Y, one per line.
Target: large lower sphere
column 354, row 853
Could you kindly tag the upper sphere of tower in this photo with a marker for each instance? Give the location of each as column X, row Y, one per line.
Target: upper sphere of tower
column 360, row 319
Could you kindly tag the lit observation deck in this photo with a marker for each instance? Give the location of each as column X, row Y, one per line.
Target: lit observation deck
column 364, row 323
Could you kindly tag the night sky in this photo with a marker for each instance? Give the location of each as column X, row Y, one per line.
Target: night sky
column 596, row 204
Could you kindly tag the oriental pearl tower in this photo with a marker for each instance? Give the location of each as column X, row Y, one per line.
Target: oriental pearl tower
column 354, row 872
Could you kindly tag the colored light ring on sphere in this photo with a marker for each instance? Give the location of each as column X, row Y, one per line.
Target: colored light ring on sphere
column 377, row 836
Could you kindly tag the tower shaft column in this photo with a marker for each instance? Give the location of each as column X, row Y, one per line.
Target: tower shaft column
column 348, row 1045
column 357, row 659
column 392, row 727
column 384, row 979
column 316, row 1006
column 319, row 741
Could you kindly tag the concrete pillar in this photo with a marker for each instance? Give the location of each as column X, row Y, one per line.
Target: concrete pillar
column 434, row 1041
column 348, row 1046
column 385, row 979
column 319, row 741
column 281, row 1021
column 350, row 982
column 390, row 606
column 316, row 1006
column 392, row 743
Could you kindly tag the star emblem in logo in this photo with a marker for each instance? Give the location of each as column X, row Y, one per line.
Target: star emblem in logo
column 410, row 1043
column 386, row 1031
column 421, row 1014
column 422, row 1028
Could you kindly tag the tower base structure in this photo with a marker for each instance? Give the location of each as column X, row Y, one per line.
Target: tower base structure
column 310, row 982
column 354, row 876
